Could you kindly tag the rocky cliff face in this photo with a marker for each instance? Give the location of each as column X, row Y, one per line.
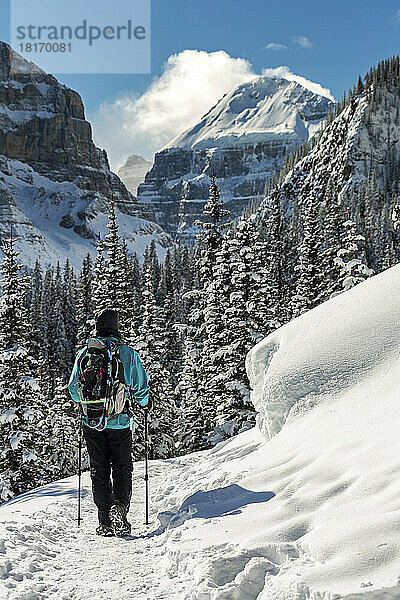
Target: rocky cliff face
column 357, row 160
column 55, row 184
column 243, row 140
column 133, row 171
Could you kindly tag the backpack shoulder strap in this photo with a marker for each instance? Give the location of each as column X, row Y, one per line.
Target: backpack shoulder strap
column 118, row 367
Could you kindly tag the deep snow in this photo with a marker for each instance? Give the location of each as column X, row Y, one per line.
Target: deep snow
column 305, row 507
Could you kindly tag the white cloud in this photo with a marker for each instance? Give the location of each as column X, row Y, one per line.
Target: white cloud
column 275, row 46
column 303, row 41
column 396, row 17
column 192, row 82
column 285, row 73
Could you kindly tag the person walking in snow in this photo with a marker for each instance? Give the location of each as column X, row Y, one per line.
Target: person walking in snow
column 106, row 375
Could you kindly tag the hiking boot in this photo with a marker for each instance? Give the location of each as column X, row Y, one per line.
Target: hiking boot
column 119, row 523
column 105, row 530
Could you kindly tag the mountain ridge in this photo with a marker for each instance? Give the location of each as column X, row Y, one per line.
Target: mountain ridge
column 55, row 184
column 282, row 114
column 264, row 108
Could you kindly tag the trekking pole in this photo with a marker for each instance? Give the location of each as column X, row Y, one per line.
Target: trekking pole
column 146, row 462
column 79, row 469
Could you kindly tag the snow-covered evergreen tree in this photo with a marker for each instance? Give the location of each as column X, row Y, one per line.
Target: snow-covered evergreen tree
column 151, row 344
column 189, row 426
column 37, row 331
column 46, row 310
column 85, row 302
column 22, row 463
column 112, row 273
column 208, row 245
column 333, row 224
column 99, row 294
column 59, row 351
column 61, row 433
column 126, row 295
column 21, row 466
column 13, row 314
column 268, row 303
column 216, row 338
column 210, row 236
column 234, row 409
column 350, row 259
column 308, row 285
column 69, row 293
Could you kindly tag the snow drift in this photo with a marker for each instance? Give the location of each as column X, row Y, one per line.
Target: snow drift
column 326, row 390
column 325, row 351
column 306, row 507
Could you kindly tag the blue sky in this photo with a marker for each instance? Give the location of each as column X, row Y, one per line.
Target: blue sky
column 326, row 43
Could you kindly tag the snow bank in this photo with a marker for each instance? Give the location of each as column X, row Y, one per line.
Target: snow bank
column 327, row 390
column 325, row 351
column 311, row 514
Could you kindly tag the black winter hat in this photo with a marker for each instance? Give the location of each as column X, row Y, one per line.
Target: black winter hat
column 107, row 323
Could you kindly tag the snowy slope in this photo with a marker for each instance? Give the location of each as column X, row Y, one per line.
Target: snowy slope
column 36, row 206
column 304, row 508
column 264, row 109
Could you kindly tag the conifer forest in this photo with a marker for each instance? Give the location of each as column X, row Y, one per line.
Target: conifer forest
column 194, row 314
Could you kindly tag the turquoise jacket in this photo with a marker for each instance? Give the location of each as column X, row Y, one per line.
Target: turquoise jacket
column 135, row 376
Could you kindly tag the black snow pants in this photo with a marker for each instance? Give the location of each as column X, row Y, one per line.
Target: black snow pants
column 109, row 451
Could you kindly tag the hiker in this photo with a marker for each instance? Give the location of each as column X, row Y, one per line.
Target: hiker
column 108, row 435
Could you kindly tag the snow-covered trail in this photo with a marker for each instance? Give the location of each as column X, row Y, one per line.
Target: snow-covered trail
column 48, row 557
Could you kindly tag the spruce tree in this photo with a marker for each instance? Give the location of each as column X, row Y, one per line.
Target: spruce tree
column 21, row 465
column 37, row 326
column 189, row 429
column 69, row 313
column 61, row 433
column 268, row 305
column 99, row 288
column 308, row 285
column 85, row 308
column 208, row 245
column 217, row 337
column 126, row 295
column 210, row 236
column 333, row 224
column 350, row 260
column 235, row 410
column 151, row 344
column 13, row 314
column 137, row 295
column 190, row 424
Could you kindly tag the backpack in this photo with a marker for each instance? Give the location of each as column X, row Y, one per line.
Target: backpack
column 102, row 389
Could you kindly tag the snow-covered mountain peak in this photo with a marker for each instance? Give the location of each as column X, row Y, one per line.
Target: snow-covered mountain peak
column 133, row 171
column 243, row 140
column 263, row 109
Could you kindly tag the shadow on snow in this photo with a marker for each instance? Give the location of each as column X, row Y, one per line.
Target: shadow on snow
column 52, row 489
column 220, row 502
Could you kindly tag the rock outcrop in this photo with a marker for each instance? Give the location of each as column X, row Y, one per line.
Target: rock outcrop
column 51, row 174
